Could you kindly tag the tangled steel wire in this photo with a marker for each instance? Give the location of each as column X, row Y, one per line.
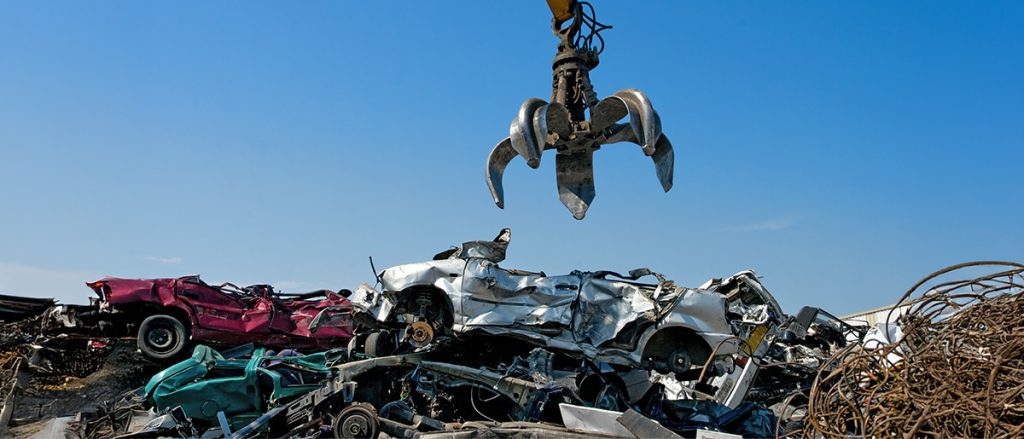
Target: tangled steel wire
column 957, row 369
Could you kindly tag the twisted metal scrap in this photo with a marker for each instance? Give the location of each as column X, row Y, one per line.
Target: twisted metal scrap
column 113, row 418
column 958, row 370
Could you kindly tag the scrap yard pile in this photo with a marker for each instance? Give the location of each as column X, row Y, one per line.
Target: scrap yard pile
column 460, row 347
column 954, row 369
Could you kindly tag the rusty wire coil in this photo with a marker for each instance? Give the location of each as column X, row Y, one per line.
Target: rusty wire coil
column 957, row 370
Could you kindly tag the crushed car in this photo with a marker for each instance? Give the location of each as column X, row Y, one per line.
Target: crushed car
column 253, row 392
column 248, row 393
column 242, row 383
column 168, row 314
column 601, row 316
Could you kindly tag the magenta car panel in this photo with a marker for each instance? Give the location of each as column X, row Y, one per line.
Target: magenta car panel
column 226, row 313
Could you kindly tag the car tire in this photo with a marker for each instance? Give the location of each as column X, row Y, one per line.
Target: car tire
column 379, row 344
column 162, row 337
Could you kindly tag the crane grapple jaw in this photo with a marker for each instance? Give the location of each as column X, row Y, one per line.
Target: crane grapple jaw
column 563, row 125
column 540, row 126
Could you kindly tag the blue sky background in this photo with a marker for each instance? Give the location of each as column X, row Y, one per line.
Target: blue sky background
column 841, row 149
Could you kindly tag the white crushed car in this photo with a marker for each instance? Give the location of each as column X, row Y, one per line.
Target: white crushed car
column 601, row 316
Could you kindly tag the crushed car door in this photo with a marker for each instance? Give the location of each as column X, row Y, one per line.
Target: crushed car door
column 499, row 297
column 293, row 313
column 607, row 306
column 259, row 310
column 214, row 309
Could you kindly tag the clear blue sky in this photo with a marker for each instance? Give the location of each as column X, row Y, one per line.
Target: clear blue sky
column 841, row 149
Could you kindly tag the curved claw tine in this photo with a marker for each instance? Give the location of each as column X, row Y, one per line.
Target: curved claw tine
column 663, row 157
column 607, row 112
column 575, row 174
column 540, row 128
column 621, row 133
column 664, row 162
column 500, row 156
column 523, row 133
column 642, row 118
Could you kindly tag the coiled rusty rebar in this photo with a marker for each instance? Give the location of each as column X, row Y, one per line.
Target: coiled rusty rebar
column 956, row 371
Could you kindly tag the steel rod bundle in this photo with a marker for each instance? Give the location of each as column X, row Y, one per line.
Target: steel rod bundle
column 957, row 370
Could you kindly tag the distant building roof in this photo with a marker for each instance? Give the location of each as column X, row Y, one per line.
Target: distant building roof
column 874, row 315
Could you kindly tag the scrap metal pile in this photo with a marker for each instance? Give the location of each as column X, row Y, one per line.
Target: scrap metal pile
column 954, row 369
column 460, row 347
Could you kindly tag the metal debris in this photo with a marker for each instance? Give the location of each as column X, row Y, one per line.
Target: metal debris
column 15, row 308
column 459, row 347
column 956, row 371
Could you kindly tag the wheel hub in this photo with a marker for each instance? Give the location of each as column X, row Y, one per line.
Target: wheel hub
column 420, row 334
column 356, row 425
column 679, row 361
column 160, row 338
column 358, row 420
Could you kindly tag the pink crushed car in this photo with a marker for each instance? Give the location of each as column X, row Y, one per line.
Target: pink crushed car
column 167, row 314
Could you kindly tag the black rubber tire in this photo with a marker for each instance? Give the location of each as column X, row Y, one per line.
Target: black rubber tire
column 379, row 344
column 357, row 421
column 162, row 337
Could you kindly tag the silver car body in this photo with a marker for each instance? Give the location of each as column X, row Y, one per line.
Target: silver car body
column 580, row 313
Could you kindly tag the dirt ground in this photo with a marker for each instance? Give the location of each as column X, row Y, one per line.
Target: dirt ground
column 47, row 397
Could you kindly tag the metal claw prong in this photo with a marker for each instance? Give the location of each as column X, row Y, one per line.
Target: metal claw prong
column 500, row 156
column 575, row 175
column 664, row 162
column 606, row 113
column 663, row 157
column 643, row 119
column 523, row 132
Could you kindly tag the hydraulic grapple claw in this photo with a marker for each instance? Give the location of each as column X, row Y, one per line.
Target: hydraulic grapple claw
column 563, row 124
column 642, row 118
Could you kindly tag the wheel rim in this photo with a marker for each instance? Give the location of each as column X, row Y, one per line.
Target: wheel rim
column 160, row 338
column 356, row 425
column 356, row 421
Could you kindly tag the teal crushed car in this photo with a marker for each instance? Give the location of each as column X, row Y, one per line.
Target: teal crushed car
column 242, row 382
